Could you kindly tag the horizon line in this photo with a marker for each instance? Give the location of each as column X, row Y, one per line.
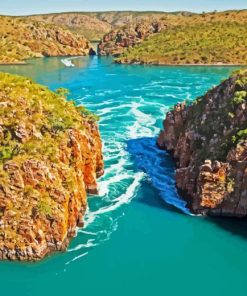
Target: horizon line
column 108, row 11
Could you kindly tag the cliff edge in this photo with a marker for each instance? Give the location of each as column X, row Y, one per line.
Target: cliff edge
column 50, row 157
column 208, row 140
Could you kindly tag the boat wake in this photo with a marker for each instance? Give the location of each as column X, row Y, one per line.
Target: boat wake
column 68, row 62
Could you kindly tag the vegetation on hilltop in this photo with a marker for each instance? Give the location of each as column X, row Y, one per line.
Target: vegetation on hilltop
column 50, row 117
column 21, row 38
column 209, row 43
column 184, row 38
column 208, row 38
column 229, row 113
column 50, row 155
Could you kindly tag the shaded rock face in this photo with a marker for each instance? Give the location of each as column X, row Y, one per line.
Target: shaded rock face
column 208, row 141
column 116, row 41
column 47, row 167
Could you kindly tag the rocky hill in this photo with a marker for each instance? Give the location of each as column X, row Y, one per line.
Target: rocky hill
column 21, row 38
column 208, row 140
column 115, row 42
column 94, row 25
column 50, row 156
column 87, row 25
column 212, row 38
column 169, row 38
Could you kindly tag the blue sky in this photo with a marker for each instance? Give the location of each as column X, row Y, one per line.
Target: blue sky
column 20, row 7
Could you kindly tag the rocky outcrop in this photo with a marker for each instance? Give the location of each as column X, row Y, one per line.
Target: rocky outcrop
column 208, row 140
column 87, row 25
column 22, row 39
column 50, row 157
column 202, row 39
column 130, row 35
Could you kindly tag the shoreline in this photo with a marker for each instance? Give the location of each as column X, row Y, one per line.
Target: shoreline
column 182, row 65
column 26, row 62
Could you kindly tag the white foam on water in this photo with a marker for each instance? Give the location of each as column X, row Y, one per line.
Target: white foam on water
column 116, row 167
column 87, row 232
column 106, row 102
column 116, row 203
column 132, row 97
column 76, row 258
column 109, row 110
column 104, row 185
column 112, row 91
column 144, row 124
column 67, row 62
column 90, row 243
column 124, row 198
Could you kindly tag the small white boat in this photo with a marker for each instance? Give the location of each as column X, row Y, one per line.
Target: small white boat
column 67, row 63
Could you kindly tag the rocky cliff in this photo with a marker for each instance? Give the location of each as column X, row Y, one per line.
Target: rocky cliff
column 22, row 38
column 115, row 42
column 200, row 39
column 208, row 140
column 50, row 157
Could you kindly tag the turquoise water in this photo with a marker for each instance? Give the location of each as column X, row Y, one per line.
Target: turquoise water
column 138, row 239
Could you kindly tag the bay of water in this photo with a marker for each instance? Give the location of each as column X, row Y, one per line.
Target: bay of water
column 139, row 237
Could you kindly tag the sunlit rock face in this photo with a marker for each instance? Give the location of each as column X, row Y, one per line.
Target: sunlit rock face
column 208, row 140
column 50, row 158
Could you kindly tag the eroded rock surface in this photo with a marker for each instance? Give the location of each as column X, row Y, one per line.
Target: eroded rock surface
column 130, row 35
column 50, row 157
column 208, row 140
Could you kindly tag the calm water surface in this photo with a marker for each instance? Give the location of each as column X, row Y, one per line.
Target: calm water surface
column 139, row 238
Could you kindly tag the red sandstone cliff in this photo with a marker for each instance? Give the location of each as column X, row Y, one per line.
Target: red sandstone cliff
column 50, row 157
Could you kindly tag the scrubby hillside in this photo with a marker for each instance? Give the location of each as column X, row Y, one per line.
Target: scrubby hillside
column 208, row 139
column 213, row 38
column 21, row 39
column 50, row 156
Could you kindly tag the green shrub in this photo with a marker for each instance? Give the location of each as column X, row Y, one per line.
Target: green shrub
column 239, row 97
column 44, row 207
